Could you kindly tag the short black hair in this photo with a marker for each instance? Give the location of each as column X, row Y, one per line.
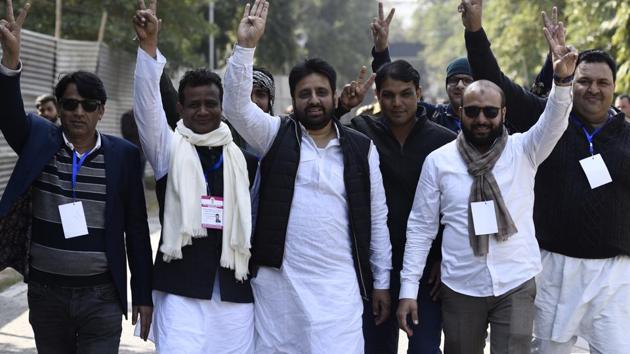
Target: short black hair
column 623, row 96
column 199, row 77
column 397, row 70
column 598, row 56
column 43, row 99
column 88, row 84
column 312, row 66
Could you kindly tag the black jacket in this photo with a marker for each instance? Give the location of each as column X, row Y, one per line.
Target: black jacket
column 570, row 218
column 400, row 167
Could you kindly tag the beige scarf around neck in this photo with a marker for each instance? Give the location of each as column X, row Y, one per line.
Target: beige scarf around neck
column 185, row 186
column 484, row 188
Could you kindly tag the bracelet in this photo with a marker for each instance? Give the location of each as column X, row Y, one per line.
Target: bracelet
column 563, row 81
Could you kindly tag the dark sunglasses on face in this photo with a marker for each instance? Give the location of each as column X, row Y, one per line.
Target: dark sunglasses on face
column 70, row 104
column 488, row 112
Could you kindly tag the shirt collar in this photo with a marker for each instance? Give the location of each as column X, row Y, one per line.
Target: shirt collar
column 71, row 147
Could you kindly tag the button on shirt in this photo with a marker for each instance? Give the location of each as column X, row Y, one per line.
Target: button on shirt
column 444, row 188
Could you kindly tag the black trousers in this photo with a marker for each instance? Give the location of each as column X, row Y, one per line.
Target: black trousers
column 81, row 320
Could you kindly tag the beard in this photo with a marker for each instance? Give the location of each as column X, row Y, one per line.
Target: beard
column 314, row 122
column 484, row 141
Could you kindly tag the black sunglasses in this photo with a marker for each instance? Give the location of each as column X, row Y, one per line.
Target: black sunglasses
column 70, row 104
column 488, row 112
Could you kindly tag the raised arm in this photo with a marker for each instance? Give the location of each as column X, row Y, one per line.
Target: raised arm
column 155, row 134
column 523, row 107
column 380, row 37
column 258, row 128
column 14, row 122
column 540, row 140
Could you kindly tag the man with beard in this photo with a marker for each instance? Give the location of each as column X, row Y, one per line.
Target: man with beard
column 321, row 237
column 404, row 136
column 582, row 208
column 482, row 186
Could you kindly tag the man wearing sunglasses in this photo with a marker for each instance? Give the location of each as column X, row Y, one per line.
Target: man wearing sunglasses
column 482, row 186
column 75, row 207
column 582, row 204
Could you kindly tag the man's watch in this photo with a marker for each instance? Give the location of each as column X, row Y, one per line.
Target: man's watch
column 563, row 81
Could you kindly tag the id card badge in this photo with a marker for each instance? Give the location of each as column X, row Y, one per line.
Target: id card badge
column 596, row 171
column 73, row 219
column 212, row 212
column 484, row 217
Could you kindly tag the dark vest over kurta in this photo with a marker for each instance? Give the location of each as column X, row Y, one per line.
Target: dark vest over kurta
column 278, row 173
column 193, row 275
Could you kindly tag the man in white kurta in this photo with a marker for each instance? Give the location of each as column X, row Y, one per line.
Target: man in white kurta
column 186, row 319
column 312, row 304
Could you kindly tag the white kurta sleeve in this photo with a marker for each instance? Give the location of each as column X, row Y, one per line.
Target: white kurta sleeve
column 155, row 134
column 258, row 128
column 422, row 228
column 380, row 245
column 539, row 140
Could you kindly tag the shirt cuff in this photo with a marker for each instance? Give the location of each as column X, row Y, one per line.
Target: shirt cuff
column 561, row 94
column 381, row 282
column 409, row 291
column 153, row 65
column 10, row 72
column 243, row 56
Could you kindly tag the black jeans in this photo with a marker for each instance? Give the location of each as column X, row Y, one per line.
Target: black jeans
column 81, row 320
column 383, row 339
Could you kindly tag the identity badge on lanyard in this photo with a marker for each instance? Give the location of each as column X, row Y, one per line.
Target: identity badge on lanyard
column 484, row 217
column 72, row 214
column 212, row 206
column 594, row 166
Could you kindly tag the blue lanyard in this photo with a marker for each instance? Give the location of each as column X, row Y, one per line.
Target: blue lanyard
column 76, row 166
column 592, row 135
column 214, row 167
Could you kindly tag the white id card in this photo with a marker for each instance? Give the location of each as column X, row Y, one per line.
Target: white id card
column 484, row 217
column 212, row 212
column 596, row 171
column 73, row 220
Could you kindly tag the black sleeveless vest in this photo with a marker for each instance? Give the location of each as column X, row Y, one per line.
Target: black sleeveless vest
column 278, row 172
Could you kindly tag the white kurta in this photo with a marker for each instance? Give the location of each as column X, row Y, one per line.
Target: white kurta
column 312, row 304
column 589, row 298
column 182, row 324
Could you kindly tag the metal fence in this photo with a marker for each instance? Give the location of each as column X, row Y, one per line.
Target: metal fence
column 45, row 59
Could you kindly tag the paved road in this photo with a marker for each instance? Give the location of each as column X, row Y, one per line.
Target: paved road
column 16, row 335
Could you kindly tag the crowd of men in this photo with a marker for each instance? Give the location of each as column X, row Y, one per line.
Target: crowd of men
column 504, row 208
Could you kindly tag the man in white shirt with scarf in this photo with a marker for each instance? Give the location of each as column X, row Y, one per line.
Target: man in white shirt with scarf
column 321, row 237
column 483, row 186
column 202, row 295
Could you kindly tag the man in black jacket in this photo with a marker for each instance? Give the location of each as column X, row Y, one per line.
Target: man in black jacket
column 404, row 137
column 582, row 202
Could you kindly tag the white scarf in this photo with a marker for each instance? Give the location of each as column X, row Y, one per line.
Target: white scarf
column 185, row 186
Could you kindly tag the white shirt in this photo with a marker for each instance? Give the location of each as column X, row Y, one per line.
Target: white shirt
column 155, row 134
column 444, row 188
column 208, row 326
column 311, row 304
